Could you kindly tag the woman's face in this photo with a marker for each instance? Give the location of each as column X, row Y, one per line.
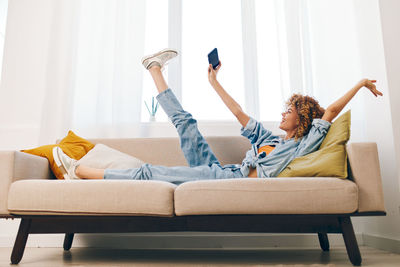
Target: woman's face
column 289, row 119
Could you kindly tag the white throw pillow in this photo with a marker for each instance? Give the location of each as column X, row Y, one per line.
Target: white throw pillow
column 105, row 157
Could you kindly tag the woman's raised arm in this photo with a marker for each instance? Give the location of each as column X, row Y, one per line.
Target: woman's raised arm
column 233, row 106
column 335, row 108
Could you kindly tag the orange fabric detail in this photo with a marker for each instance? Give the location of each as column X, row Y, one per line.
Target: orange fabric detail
column 267, row 150
column 74, row 146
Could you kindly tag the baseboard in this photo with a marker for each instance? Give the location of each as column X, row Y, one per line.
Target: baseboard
column 382, row 243
column 183, row 240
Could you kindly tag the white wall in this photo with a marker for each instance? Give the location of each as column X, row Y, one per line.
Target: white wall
column 391, row 38
column 379, row 38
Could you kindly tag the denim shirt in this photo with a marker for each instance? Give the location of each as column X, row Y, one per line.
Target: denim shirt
column 285, row 150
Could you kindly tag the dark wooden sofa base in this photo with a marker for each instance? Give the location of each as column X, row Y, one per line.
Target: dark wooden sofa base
column 321, row 224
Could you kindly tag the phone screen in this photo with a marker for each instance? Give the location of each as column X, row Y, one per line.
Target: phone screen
column 213, row 58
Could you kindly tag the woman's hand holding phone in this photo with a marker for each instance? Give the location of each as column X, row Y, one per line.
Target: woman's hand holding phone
column 214, row 66
column 212, row 73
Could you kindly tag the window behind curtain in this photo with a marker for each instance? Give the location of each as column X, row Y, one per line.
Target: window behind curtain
column 156, row 38
column 269, row 68
column 208, row 24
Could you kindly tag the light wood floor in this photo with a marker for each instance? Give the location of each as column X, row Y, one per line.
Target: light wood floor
column 46, row 257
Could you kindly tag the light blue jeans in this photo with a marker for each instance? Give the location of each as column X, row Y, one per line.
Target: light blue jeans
column 202, row 161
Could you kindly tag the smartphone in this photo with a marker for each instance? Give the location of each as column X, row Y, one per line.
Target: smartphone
column 213, row 58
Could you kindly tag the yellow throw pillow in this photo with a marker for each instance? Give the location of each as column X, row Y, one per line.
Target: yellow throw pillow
column 330, row 160
column 74, row 146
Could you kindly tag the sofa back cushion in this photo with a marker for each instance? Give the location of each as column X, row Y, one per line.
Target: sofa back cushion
column 166, row 151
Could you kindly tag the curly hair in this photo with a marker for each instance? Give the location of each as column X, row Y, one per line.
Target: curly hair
column 307, row 109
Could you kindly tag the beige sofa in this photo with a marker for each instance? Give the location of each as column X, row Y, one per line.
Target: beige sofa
column 276, row 205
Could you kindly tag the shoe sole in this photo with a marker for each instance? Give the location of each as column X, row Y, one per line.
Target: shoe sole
column 59, row 164
column 159, row 53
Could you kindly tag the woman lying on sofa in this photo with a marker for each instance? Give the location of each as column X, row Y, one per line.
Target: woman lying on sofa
column 304, row 121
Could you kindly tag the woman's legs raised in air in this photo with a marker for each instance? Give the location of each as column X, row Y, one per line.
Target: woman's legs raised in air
column 155, row 64
column 158, row 78
column 194, row 147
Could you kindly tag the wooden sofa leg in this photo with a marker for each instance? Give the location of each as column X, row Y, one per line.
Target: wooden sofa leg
column 20, row 241
column 350, row 240
column 323, row 241
column 69, row 237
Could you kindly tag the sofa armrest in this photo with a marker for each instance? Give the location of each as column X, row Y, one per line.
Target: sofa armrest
column 366, row 173
column 15, row 165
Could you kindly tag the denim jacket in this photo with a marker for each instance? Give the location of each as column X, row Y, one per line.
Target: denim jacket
column 285, row 150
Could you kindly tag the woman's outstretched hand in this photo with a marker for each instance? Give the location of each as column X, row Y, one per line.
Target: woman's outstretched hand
column 212, row 74
column 370, row 84
column 336, row 107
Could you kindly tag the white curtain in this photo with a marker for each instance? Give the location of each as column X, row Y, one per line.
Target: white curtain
column 94, row 71
column 3, row 17
column 76, row 63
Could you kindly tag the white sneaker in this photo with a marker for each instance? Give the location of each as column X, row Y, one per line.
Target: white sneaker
column 66, row 164
column 160, row 58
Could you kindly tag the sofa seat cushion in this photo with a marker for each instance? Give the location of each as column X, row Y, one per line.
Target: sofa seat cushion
column 293, row 195
column 91, row 197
